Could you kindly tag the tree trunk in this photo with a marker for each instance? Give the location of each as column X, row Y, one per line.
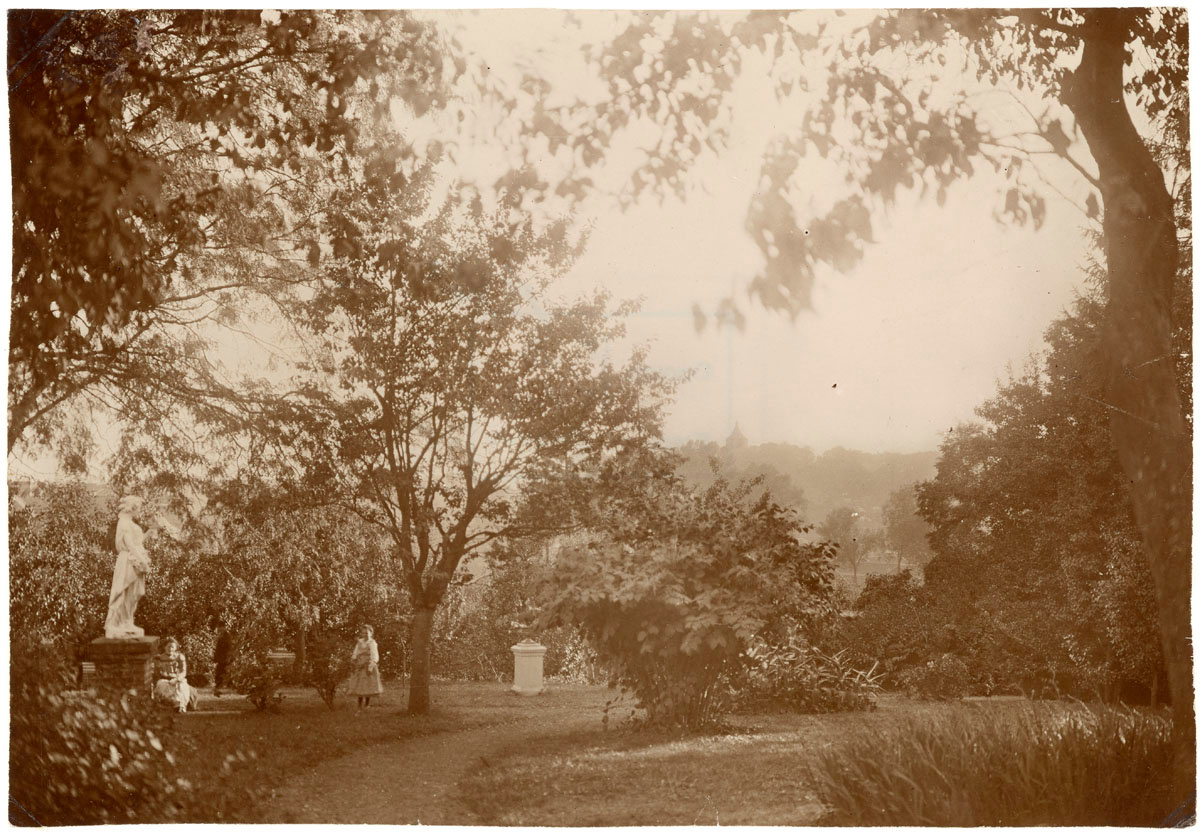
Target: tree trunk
column 301, row 653
column 1146, row 415
column 419, row 656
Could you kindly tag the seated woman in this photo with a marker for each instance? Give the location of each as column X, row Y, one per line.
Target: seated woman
column 170, row 678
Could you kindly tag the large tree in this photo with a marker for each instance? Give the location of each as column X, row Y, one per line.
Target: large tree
column 1032, row 521
column 448, row 377
column 884, row 100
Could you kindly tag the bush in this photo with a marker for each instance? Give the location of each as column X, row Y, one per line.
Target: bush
column 198, row 649
column 678, row 585
column 479, row 623
column 1027, row 766
column 804, row 679
column 909, row 628
column 569, row 658
column 253, row 675
column 61, row 557
column 327, row 666
column 79, row 758
column 943, row 678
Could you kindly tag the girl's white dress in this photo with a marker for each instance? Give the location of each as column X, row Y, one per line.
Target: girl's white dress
column 364, row 664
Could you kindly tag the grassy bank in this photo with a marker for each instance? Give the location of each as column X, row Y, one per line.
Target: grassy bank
column 854, row 768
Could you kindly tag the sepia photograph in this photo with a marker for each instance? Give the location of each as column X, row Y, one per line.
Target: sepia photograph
column 600, row 418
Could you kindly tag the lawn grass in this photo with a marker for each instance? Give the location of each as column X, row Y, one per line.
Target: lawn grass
column 752, row 773
column 756, row 774
column 563, row 768
column 231, row 751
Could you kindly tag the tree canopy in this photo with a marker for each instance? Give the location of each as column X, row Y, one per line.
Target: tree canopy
column 1031, row 519
column 444, row 378
column 165, row 163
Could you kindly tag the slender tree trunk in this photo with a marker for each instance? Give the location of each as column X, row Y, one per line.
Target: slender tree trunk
column 1146, row 415
column 301, row 653
column 419, row 656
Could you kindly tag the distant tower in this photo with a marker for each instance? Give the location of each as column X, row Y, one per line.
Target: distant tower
column 736, row 439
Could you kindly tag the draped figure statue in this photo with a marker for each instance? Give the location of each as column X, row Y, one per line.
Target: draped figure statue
column 129, row 576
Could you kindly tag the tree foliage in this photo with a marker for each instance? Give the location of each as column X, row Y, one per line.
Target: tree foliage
column 671, row 587
column 447, row 378
column 905, row 532
column 852, row 540
column 61, row 556
column 1032, row 519
column 704, row 463
column 167, row 166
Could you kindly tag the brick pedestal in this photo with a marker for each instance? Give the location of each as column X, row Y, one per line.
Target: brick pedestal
column 126, row 663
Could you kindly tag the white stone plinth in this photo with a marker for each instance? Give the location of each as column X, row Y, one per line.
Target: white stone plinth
column 527, row 667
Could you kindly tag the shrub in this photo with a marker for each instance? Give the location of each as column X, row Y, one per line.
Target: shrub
column 253, row 675
column 479, row 623
column 61, row 558
column 674, row 586
column 569, row 658
column 804, row 679
column 327, row 666
column 1026, row 766
column 91, row 757
column 944, row 677
column 676, row 668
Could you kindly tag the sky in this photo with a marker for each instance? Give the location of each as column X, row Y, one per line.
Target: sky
column 893, row 354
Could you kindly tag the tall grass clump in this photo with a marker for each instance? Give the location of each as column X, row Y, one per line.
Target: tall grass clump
column 1021, row 766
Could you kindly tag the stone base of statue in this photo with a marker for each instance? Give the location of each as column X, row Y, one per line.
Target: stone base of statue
column 127, row 663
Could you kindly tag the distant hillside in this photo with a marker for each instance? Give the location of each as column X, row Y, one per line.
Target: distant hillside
column 814, row 484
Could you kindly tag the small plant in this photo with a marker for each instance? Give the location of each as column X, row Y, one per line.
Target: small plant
column 1027, row 766
column 327, row 666
column 252, row 674
column 804, row 679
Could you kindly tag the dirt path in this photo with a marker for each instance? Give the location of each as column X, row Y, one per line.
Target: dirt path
column 413, row 780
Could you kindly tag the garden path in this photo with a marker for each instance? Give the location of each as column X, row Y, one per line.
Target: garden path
column 415, row 780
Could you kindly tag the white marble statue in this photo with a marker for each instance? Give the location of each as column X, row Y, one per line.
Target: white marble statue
column 129, row 576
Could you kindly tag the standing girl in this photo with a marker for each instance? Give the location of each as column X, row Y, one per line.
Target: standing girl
column 364, row 664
